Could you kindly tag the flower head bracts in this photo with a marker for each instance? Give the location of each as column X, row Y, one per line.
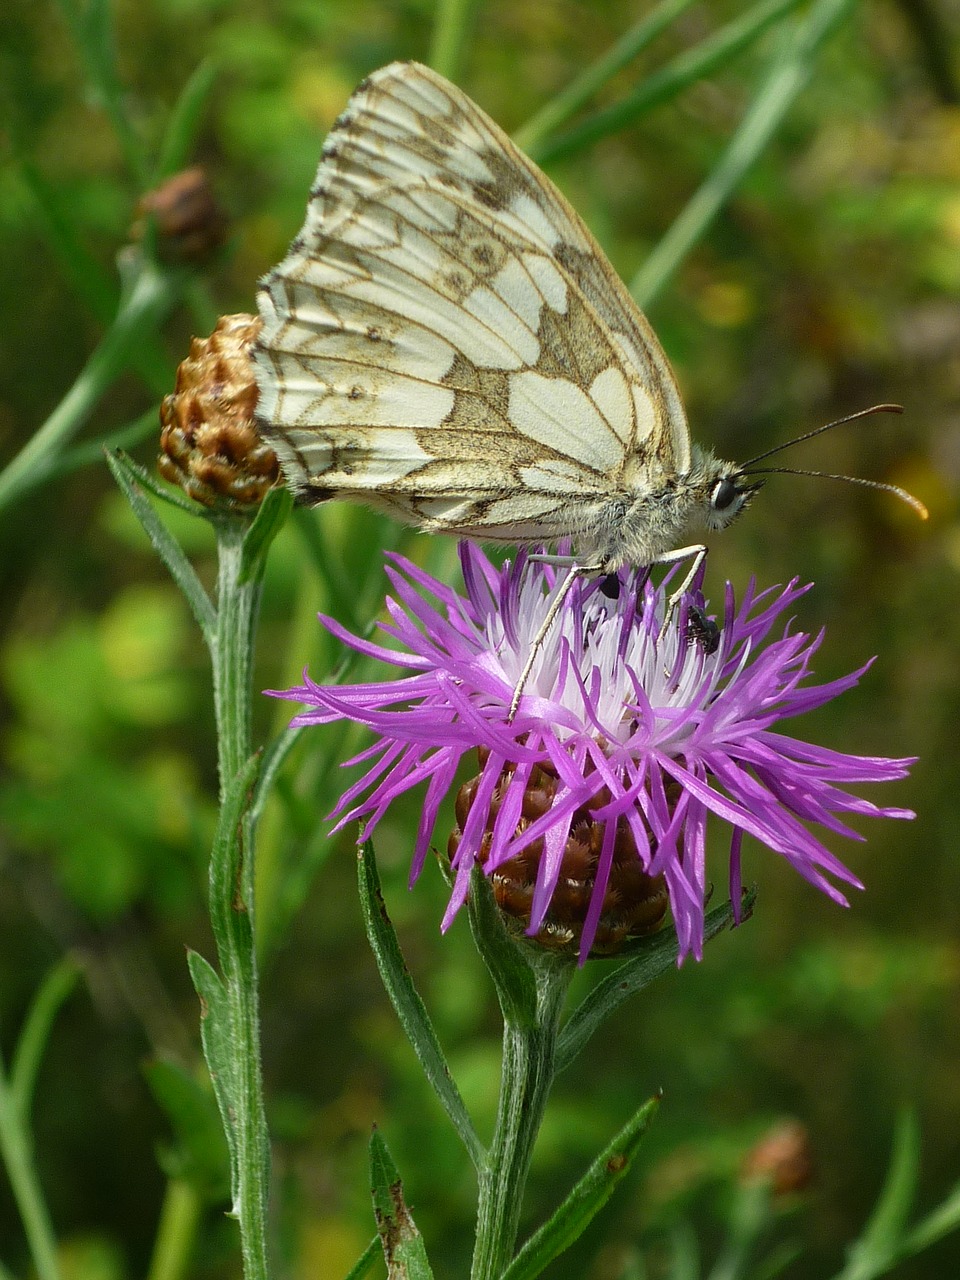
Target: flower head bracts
column 642, row 722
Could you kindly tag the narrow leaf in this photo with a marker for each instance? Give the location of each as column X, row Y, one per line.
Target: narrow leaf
column 451, row 31
column 406, row 1001
column 880, row 1242
column 941, row 1222
column 164, row 543
column 32, row 1042
column 585, row 1200
column 653, row 956
column 217, row 1037
column 686, row 69
column 789, row 73
column 364, row 1264
column 89, row 280
column 403, row 1248
column 269, row 520
column 200, row 1154
column 180, row 135
column 684, row 1253
column 580, row 90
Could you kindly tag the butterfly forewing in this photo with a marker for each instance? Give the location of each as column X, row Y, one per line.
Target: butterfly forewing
column 447, row 341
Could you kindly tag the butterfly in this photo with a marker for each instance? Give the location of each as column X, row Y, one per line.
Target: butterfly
column 446, row 341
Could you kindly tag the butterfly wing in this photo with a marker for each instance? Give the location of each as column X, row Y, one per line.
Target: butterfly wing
column 447, row 341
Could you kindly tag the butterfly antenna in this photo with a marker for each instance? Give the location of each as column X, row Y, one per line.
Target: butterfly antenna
column 897, row 492
column 818, row 431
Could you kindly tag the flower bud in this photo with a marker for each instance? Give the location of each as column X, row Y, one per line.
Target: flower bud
column 783, row 1157
column 190, row 224
column 210, row 445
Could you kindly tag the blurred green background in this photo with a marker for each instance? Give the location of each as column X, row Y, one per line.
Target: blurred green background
column 831, row 281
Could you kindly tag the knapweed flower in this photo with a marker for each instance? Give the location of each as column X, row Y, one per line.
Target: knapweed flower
column 631, row 730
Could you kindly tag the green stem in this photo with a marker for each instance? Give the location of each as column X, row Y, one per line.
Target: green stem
column 231, row 889
column 450, row 30
column 176, row 1233
column 789, row 75
column 16, row 1149
column 525, row 1083
column 140, row 311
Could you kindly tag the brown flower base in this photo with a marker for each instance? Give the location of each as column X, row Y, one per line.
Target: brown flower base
column 634, row 903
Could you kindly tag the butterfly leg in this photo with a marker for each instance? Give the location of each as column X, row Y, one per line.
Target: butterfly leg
column 696, row 555
column 556, row 604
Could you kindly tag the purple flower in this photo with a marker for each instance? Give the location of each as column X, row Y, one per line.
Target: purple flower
column 642, row 726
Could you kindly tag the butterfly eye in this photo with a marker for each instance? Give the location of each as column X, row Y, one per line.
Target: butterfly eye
column 724, row 493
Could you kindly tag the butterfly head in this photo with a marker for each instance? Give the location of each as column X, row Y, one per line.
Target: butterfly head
column 722, row 489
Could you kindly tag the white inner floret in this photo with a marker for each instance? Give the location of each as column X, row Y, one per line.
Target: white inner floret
column 673, row 669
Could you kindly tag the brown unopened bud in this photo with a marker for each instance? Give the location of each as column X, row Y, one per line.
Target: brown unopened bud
column 190, row 224
column 210, row 444
column 633, row 902
column 783, row 1157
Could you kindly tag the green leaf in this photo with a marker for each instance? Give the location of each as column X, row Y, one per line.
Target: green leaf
column 941, row 1222
column 92, row 451
column 183, row 126
column 585, row 1200
column 652, row 957
column 789, row 73
column 686, row 69
column 403, row 1248
column 92, row 284
column 131, row 480
column 507, row 958
column 32, row 1042
column 881, row 1241
column 451, row 30
column 200, row 1154
column 749, row 1216
column 218, row 1036
column 148, row 295
column 91, row 25
column 270, row 518
column 406, row 1001
column 580, row 90
column 364, row 1264
column 684, row 1253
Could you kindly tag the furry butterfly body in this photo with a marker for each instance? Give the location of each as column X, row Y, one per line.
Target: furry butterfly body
column 446, row 341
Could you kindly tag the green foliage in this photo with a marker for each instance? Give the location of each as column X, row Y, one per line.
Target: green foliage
column 825, row 276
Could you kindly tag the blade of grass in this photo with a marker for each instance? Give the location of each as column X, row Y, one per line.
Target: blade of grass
column 16, row 1141
column 33, row 1038
column 581, row 89
column 180, row 135
column 789, row 74
column 451, row 29
column 91, row 26
column 93, row 286
column 150, row 298
column 686, row 69
column 880, row 1242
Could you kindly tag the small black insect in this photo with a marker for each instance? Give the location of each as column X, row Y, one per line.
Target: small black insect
column 703, row 630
